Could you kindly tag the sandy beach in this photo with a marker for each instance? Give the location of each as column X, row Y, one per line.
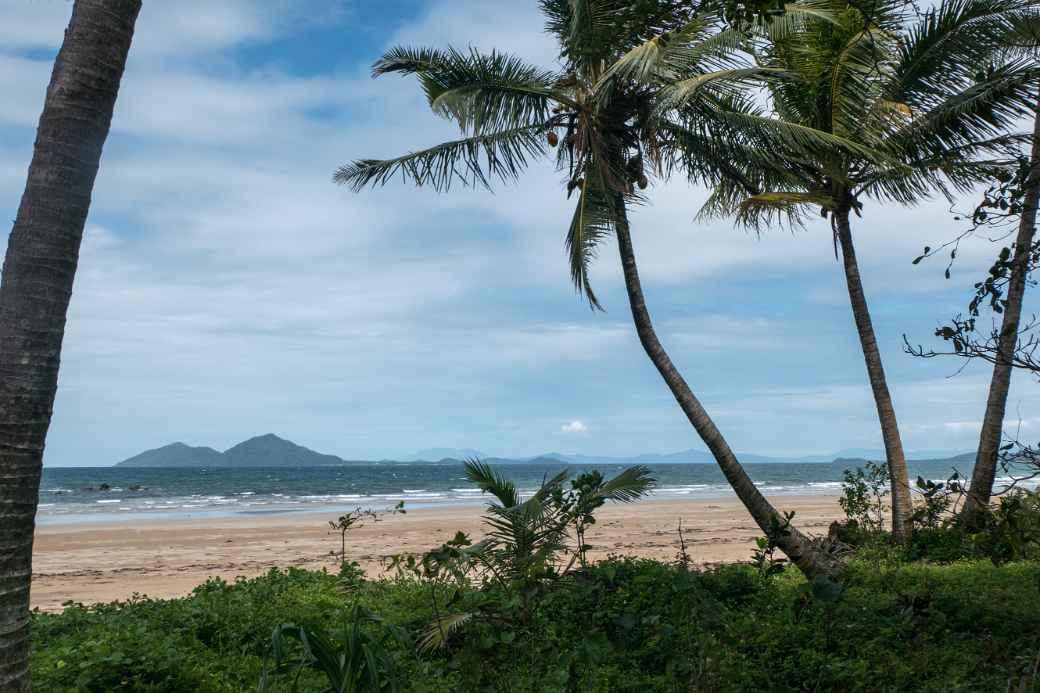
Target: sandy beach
column 100, row 562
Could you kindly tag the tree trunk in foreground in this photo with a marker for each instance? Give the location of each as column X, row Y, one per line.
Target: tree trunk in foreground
column 902, row 507
column 985, row 471
column 810, row 560
column 42, row 253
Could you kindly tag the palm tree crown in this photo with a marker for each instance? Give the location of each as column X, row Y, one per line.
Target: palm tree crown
column 619, row 111
column 911, row 108
column 919, row 108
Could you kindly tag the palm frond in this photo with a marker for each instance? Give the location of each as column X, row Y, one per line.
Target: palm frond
column 796, row 140
column 436, row 635
column 405, row 60
column 757, row 210
column 986, row 107
column 944, row 50
column 715, row 150
column 628, row 485
column 667, row 56
column 482, row 92
column 794, row 19
column 520, row 528
column 490, row 481
column 549, row 484
column 595, row 215
column 854, row 83
column 679, row 94
column 1025, row 32
column 594, row 32
column 950, row 170
column 471, row 161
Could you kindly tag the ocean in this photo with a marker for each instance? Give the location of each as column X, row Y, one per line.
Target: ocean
column 85, row 494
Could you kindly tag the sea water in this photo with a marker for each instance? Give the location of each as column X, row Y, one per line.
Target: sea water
column 127, row 493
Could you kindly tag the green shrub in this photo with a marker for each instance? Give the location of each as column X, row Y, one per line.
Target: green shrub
column 620, row 625
column 353, row 657
column 1012, row 531
column 863, row 492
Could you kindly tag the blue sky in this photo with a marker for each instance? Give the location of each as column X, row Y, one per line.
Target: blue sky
column 227, row 288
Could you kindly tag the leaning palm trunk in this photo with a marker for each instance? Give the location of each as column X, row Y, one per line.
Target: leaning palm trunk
column 985, row 471
column 38, row 271
column 809, row 559
column 902, row 507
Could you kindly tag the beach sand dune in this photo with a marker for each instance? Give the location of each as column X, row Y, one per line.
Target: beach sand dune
column 100, row 562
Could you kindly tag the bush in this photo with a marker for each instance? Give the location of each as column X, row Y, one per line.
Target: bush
column 622, row 624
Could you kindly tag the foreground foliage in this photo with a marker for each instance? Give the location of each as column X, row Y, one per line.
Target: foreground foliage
column 620, row 625
column 524, row 610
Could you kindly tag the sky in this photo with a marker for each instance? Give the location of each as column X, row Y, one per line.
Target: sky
column 227, row 288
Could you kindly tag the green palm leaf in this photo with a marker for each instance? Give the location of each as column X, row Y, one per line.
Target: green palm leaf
column 800, row 141
column 490, row 481
column 437, row 632
column 593, row 221
column 680, row 93
column 949, row 45
column 483, row 93
column 470, row 161
column 984, row 108
column 629, row 485
column 665, row 56
column 756, row 210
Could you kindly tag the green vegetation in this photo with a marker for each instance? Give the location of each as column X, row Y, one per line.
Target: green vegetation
column 622, row 625
column 950, row 611
column 782, row 110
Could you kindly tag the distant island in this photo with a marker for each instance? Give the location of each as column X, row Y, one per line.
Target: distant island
column 262, row 451
column 270, row 450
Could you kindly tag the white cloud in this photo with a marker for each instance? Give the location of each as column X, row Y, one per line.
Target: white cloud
column 971, row 427
column 505, row 26
column 227, row 287
column 179, row 29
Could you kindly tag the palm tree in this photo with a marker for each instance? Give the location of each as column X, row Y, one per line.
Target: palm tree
column 1025, row 36
column 526, row 535
column 37, row 282
column 920, row 109
column 608, row 122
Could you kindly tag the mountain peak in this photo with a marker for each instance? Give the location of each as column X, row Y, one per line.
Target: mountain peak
column 175, row 455
column 267, row 450
column 265, row 438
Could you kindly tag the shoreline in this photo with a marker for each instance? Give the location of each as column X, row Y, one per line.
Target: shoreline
column 413, row 499
column 164, row 558
column 416, row 503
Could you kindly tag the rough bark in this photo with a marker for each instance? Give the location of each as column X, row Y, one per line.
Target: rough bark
column 902, row 506
column 38, row 271
column 809, row 559
column 985, row 471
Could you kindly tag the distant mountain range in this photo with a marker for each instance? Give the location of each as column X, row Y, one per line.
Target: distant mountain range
column 271, row 451
column 442, row 453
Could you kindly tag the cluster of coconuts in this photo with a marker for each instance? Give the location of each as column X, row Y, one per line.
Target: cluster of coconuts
column 553, row 139
column 636, row 173
column 634, row 166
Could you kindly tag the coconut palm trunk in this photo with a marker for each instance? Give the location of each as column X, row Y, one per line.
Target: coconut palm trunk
column 810, row 560
column 985, row 471
column 42, row 254
column 902, row 507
